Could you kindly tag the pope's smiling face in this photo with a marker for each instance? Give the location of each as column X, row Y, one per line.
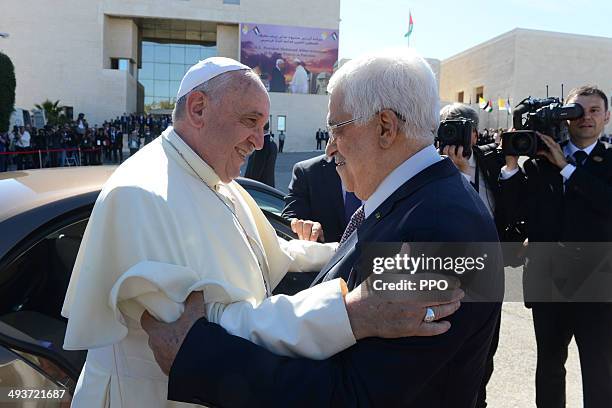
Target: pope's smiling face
column 234, row 126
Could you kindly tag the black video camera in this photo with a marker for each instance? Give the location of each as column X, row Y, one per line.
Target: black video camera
column 455, row 132
column 547, row 116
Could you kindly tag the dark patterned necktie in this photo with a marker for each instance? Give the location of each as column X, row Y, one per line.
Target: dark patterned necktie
column 356, row 220
column 580, row 157
column 351, row 204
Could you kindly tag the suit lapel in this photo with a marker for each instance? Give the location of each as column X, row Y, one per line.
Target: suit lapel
column 441, row 169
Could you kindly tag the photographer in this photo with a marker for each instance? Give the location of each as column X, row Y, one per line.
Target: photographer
column 480, row 166
column 565, row 194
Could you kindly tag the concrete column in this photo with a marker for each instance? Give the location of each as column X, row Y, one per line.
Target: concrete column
column 228, row 41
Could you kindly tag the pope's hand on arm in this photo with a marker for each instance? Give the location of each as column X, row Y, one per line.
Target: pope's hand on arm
column 370, row 315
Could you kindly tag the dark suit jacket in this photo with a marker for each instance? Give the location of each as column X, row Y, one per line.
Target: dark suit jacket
column 315, row 193
column 262, row 162
column 580, row 214
column 438, row 204
column 277, row 81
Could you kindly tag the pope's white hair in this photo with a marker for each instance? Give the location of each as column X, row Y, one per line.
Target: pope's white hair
column 400, row 80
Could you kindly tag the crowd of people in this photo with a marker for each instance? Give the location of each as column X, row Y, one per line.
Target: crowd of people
column 77, row 143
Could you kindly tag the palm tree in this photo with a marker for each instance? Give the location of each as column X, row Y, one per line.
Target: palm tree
column 53, row 111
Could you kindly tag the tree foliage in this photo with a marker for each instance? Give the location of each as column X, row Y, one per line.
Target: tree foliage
column 7, row 91
column 53, row 112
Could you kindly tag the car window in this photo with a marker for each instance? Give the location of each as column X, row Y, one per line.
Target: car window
column 38, row 278
column 267, row 201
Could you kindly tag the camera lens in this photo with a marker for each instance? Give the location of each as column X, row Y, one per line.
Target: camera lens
column 522, row 143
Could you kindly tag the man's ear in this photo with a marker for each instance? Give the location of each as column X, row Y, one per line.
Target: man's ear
column 196, row 105
column 388, row 123
column 607, row 117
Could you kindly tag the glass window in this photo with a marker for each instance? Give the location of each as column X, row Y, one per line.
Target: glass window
column 124, row 65
column 148, row 99
column 177, row 54
column 162, row 71
column 162, row 89
column 207, row 52
column 148, row 52
column 177, row 72
column 147, row 71
column 192, row 54
column 280, row 123
column 267, row 201
column 174, row 87
column 162, row 53
column 148, row 85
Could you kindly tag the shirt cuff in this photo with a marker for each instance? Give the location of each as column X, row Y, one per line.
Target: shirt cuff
column 567, row 171
column 505, row 174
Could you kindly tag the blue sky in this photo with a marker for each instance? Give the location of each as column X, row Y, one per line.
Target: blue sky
column 445, row 28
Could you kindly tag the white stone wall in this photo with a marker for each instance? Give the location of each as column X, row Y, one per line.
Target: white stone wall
column 62, row 49
column 521, row 63
column 305, row 114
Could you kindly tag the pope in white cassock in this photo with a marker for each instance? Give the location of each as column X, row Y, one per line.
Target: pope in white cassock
column 171, row 221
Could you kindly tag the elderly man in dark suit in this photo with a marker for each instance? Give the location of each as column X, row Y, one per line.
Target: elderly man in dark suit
column 316, row 205
column 383, row 115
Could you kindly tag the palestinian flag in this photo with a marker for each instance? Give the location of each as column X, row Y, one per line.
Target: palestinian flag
column 489, row 106
column 410, row 26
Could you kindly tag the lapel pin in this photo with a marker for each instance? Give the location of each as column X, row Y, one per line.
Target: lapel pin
column 597, row 159
column 377, row 215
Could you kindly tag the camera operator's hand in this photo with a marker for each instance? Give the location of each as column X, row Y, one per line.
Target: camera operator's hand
column 455, row 153
column 554, row 154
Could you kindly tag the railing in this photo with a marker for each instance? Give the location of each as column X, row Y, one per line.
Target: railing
column 40, row 153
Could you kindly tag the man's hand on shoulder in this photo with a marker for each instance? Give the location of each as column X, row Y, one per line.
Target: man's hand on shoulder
column 165, row 339
column 307, row 230
column 389, row 315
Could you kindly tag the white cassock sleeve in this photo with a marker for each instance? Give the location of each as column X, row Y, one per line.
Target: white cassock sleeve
column 312, row 323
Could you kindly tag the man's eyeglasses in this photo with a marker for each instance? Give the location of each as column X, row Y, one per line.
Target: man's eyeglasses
column 332, row 128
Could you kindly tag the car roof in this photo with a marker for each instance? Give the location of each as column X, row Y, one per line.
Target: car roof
column 30, row 199
column 24, row 190
column 21, row 191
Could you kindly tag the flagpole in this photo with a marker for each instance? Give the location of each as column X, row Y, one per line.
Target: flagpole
column 498, row 112
column 507, row 112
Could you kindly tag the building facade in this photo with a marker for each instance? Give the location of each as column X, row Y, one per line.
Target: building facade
column 523, row 63
column 107, row 57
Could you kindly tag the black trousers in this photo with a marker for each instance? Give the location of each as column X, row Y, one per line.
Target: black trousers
column 591, row 324
column 481, row 402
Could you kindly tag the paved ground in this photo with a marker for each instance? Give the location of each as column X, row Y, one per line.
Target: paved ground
column 513, row 381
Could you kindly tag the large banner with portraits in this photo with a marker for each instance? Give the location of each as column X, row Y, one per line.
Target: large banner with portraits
column 290, row 59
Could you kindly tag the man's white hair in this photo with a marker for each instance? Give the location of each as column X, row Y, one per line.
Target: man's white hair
column 400, row 80
column 215, row 88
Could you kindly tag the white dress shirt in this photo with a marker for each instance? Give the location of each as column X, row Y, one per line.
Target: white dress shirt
column 159, row 231
column 566, row 172
column 24, row 140
column 485, row 194
column 401, row 174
